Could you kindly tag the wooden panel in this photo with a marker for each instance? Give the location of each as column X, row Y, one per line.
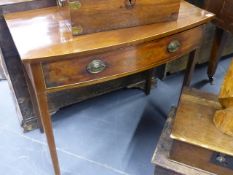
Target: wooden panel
column 214, row 6
column 196, row 157
column 194, row 123
column 222, row 8
column 120, row 62
column 102, row 15
column 162, row 159
column 224, row 12
column 55, row 40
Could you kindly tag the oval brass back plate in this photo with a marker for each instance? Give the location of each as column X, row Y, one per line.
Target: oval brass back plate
column 174, row 46
column 96, row 66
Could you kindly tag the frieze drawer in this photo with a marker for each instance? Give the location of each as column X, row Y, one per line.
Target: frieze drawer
column 117, row 63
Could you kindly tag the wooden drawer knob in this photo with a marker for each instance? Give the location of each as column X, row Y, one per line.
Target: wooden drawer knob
column 96, row 66
column 174, row 46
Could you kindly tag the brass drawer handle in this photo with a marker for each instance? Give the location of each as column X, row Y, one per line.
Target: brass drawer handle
column 96, row 66
column 174, row 46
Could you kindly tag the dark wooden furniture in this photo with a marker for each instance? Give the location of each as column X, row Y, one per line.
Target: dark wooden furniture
column 164, row 165
column 224, row 21
column 11, row 60
column 118, row 13
column 196, row 138
column 194, row 124
column 54, row 60
column 205, row 51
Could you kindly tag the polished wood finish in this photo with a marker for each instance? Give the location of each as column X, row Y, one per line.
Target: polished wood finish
column 219, row 43
column 223, row 119
column 21, row 91
column 190, row 67
column 56, row 41
column 164, row 165
column 89, row 16
column 194, row 122
column 196, row 157
column 36, row 74
column 174, row 157
column 224, row 22
column 120, row 62
column 42, row 38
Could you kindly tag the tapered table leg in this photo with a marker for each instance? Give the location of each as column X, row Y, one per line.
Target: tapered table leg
column 41, row 98
column 190, row 67
column 150, row 74
column 217, row 51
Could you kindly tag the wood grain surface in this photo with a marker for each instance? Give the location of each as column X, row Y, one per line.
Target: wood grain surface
column 103, row 15
column 48, row 36
column 196, row 157
column 194, row 123
column 161, row 158
column 120, row 62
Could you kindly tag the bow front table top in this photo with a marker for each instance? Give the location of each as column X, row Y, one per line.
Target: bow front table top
column 54, row 60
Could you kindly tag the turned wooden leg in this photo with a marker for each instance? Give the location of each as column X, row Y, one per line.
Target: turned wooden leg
column 216, row 52
column 41, row 98
column 149, row 76
column 190, row 67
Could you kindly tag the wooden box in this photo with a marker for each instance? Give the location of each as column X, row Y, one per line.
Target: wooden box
column 90, row 16
column 197, row 157
column 175, row 157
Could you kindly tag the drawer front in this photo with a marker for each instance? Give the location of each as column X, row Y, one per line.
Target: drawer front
column 121, row 62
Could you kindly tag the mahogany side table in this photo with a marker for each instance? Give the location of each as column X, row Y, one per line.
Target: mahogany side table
column 54, row 60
